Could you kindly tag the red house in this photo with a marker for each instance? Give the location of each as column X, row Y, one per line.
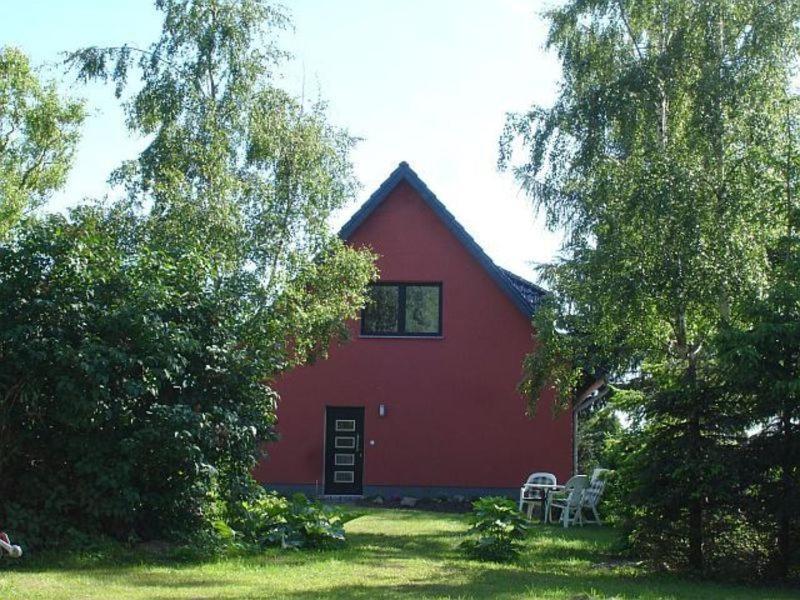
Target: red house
column 422, row 400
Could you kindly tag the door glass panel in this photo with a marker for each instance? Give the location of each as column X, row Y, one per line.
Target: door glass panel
column 344, row 442
column 344, row 460
column 343, row 476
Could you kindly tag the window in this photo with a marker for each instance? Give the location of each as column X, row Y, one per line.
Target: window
column 381, row 316
column 403, row 309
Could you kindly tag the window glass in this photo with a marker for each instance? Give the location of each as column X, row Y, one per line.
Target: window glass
column 422, row 309
column 381, row 314
column 403, row 309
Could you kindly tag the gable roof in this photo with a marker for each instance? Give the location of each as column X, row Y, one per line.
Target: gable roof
column 525, row 295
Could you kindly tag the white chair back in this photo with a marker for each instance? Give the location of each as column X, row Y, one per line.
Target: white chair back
column 593, row 493
column 598, row 474
column 541, row 478
column 574, row 489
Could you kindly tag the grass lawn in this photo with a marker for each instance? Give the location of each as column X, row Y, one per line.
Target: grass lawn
column 390, row 554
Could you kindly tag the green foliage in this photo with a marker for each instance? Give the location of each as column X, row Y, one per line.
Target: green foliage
column 127, row 390
column 235, row 168
column 498, row 527
column 663, row 160
column 557, row 362
column 662, row 468
column 761, row 366
column 139, row 340
column 131, row 387
column 38, row 134
column 598, row 430
column 269, row 519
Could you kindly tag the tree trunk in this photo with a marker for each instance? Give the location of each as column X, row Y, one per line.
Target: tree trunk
column 784, row 524
column 695, row 501
column 694, row 439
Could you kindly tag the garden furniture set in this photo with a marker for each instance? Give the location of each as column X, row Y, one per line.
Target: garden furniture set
column 576, row 501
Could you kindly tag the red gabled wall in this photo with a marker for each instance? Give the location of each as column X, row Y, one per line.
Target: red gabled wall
column 454, row 417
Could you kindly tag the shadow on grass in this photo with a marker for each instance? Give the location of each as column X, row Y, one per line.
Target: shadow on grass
column 481, row 581
column 117, row 558
column 381, row 545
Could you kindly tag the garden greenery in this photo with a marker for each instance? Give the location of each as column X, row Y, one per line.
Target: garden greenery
column 669, row 160
column 269, row 519
column 139, row 338
column 39, row 130
column 497, row 529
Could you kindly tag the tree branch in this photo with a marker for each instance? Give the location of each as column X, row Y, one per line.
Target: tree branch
column 37, row 164
column 623, row 15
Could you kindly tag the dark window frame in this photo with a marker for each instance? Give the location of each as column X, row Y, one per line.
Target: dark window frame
column 401, row 310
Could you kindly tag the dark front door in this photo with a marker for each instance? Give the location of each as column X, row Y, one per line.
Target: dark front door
column 344, row 451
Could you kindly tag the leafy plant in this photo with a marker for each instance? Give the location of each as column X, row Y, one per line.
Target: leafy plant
column 498, row 528
column 761, row 367
column 295, row 522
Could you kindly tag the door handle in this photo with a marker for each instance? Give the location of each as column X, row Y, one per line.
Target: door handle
column 358, row 442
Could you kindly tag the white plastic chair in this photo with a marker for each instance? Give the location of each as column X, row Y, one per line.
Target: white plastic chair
column 568, row 501
column 530, row 495
column 591, row 497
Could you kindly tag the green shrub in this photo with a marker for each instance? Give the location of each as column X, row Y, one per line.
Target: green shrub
column 498, row 528
column 139, row 335
column 126, row 393
column 132, row 389
column 274, row 520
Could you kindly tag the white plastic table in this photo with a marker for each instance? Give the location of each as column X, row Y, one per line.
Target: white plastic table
column 544, row 489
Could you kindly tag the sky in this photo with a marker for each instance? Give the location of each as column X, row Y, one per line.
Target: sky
column 423, row 81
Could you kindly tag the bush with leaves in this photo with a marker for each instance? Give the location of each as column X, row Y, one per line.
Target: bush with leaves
column 270, row 519
column 761, row 369
column 132, row 384
column 126, row 392
column 138, row 342
column 497, row 528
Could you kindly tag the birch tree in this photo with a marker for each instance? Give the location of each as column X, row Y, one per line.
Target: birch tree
column 39, row 130
column 657, row 159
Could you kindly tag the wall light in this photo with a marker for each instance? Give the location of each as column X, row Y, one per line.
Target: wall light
column 382, row 410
